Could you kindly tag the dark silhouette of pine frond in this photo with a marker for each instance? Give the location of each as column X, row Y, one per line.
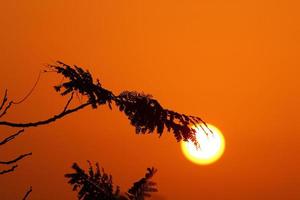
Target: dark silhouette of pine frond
column 143, row 187
column 144, row 112
column 97, row 185
column 81, row 81
column 147, row 115
column 92, row 185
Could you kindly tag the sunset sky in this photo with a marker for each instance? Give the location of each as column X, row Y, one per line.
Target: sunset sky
column 233, row 63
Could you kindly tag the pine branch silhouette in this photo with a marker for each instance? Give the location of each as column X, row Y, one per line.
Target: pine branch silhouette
column 82, row 82
column 143, row 111
column 92, row 185
column 143, row 187
column 97, row 185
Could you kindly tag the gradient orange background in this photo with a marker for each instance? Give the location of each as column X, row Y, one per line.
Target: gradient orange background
column 233, row 63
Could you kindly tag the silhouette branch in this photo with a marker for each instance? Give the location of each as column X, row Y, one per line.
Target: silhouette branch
column 47, row 121
column 4, row 99
column 11, row 137
column 16, row 159
column 8, row 170
column 27, row 193
column 69, row 101
column 144, row 112
column 3, row 142
column 7, row 106
column 95, row 184
column 143, row 187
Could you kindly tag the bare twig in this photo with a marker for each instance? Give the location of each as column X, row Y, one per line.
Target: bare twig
column 6, row 109
column 69, row 101
column 18, row 102
column 8, row 170
column 30, row 92
column 11, row 137
column 16, row 159
column 28, row 193
column 4, row 99
column 47, row 121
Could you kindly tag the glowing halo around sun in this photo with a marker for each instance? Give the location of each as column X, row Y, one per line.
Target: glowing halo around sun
column 212, row 146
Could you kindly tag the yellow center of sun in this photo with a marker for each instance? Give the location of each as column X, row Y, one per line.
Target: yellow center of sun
column 212, row 146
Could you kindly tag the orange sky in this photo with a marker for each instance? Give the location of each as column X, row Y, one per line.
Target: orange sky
column 233, row 63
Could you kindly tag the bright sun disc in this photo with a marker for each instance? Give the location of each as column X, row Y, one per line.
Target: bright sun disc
column 212, row 146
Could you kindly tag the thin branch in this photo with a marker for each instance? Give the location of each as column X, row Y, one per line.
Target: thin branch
column 18, row 102
column 28, row 193
column 6, row 109
column 3, row 104
column 16, row 159
column 47, row 121
column 9, row 170
column 4, row 99
column 69, row 101
column 30, row 92
column 11, row 137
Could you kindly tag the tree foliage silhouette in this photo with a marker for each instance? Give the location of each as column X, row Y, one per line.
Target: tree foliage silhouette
column 143, row 187
column 93, row 184
column 98, row 185
column 143, row 111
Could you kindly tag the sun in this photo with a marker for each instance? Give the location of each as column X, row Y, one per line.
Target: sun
column 212, row 146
